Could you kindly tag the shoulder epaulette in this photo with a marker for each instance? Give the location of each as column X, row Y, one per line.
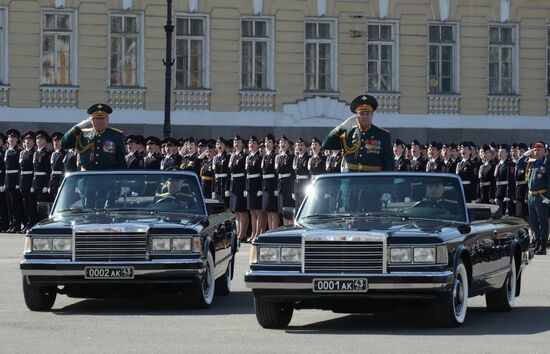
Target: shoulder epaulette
column 116, row 130
column 87, row 129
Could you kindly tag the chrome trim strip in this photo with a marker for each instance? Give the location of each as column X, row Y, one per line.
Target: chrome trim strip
column 270, row 273
column 40, row 272
column 309, row 286
column 65, row 262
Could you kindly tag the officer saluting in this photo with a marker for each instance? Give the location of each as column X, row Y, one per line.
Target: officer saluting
column 99, row 146
column 538, row 183
column 366, row 147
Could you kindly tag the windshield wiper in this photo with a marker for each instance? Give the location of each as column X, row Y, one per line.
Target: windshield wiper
column 327, row 216
column 79, row 210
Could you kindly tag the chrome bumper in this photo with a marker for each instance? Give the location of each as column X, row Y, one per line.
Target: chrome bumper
column 278, row 280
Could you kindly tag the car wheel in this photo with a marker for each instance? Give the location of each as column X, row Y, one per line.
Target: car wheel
column 202, row 292
column 450, row 310
column 504, row 299
column 39, row 298
column 273, row 314
column 223, row 284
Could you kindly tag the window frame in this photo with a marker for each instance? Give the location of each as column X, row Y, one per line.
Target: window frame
column 395, row 53
column 548, row 60
column 205, row 47
column 333, row 71
column 73, row 51
column 514, row 56
column 455, row 78
column 4, row 46
column 270, row 28
column 140, row 67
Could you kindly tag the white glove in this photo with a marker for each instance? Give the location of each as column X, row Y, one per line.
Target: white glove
column 348, row 123
column 545, row 200
column 32, row 189
column 86, row 123
column 2, row 189
column 259, row 194
column 124, row 190
column 49, row 190
column 293, row 196
column 213, row 195
column 134, row 194
column 245, row 194
column 493, row 201
column 528, row 153
column 227, row 194
column 386, row 197
column 45, row 190
column 17, row 187
column 276, row 193
column 506, row 199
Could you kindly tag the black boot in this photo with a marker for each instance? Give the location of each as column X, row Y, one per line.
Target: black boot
column 537, row 246
column 541, row 252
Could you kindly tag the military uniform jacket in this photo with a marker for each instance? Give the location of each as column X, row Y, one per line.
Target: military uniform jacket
column 134, row 161
column 369, row 150
column 487, row 186
column 11, row 160
column 2, row 167
column 222, row 174
column 171, row 162
column 190, row 163
column 58, row 167
column 418, row 165
column 301, row 170
column 207, row 177
column 538, row 178
column 283, row 166
column 26, row 161
column 42, row 169
column 467, row 172
column 504, row 177
column 402, row 164
column 317, row 165
column 269, row 178
column 449, row 166
column 435, row 165
column 519, row 176
column 253, row 166
column 237, row 168
column 334, row 163
column 152, row 161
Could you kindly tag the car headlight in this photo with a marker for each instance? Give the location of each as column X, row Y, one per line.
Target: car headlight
column 161, row 244
column 181, row 244
column 42, row 244
column 270, row 254
column 424, row 255
column 61, row 244
column 291, row 255
column 400, row 255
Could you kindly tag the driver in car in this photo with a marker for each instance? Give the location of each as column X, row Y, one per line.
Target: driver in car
column 173, row 193
column 435, row 190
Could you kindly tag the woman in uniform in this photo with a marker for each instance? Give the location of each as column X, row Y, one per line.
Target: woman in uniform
column 283, row 165
column 254, row 188
column 220, row 165
column 237, row 189
column 269, row 184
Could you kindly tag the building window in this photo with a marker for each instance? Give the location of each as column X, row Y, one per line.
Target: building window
column 191, row 46
column 382, row 56
column 125, row 50
column 548, row 61
column 58, row 49
column 442, row 58
column 502, row 61
column 256, row 57
column 3, row 44
column 320, row 56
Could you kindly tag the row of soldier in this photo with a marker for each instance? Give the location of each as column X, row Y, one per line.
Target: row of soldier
column 253, row 177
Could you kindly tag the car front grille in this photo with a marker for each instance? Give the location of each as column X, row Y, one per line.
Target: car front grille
column 127, row 246
column 343, row 257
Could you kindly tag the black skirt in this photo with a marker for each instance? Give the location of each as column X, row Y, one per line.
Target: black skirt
column 285, row 194
column 253, row 201
column 237, row 200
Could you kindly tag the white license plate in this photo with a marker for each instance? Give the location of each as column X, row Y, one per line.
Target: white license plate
column 340, row 285
column 109, row 273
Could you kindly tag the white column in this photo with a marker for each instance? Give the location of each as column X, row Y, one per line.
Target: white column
column 504, row 10
column 383, row 8
column 258, row 6
column 444, row 6
column 321, row 8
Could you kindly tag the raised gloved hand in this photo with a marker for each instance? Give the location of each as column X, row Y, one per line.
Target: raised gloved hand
column 227, row 194
column 45, row 190
column 348, row 123
column 86, row 123
column 259, row 194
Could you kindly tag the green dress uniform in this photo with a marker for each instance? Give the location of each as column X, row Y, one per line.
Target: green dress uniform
column 97, row 150
column 538, row 183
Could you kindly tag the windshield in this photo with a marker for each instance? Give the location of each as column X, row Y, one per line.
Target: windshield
column 422, row 197
column 175, row 193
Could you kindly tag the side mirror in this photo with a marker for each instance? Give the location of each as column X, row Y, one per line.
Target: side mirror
column 43, row 210
column 479, row 214
column 205, row 222
column 288, row 213
column 214, row 207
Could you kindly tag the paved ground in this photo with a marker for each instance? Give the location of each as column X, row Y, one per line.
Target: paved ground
column 159, row 325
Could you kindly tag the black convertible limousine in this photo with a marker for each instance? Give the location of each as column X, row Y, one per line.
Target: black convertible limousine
column 380, row 241
column 112, row 233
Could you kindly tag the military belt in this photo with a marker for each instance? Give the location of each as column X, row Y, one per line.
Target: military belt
column 255, row 175
column 237, row 175
column 519, row 183
column 26, row 172
column 539, row 192
column 57, row 172
column 502, row 183
column 206, row 178
column 285, row 175
column 269, row 176
column 221, row 175
column 302, row 176
column 40, row 173
column 466, row 182
column 12, row 171
column 367, row 168
column 484, row 184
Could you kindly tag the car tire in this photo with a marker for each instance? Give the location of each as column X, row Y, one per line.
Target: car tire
column 450, row 310
column 273, row 314
column 201, row 293
column 504, row 299
column 39, row 298
column 223, row 284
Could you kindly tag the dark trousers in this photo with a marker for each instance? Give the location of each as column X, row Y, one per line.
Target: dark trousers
column 29, row 207
column 538, row 217
column 15, row 208
column 507, row 208
column 4, row 217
